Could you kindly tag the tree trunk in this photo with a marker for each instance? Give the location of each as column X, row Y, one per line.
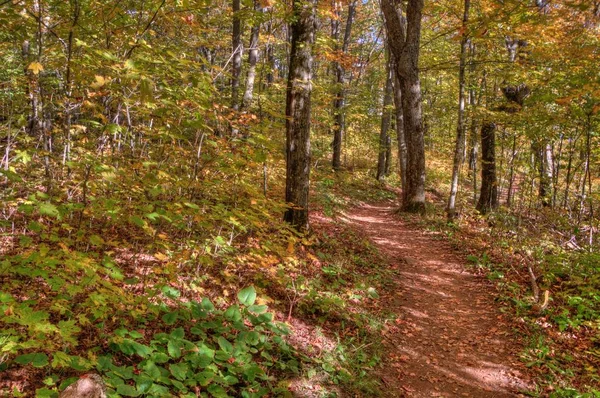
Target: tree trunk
column 339, row 124
column 547, row 174
column 557, row 170
column 511, row 178
column 270, row 57
column 488, row 198
column 298, row 114
column 404, row 37
column 386, row 116
column 388, row 156
column 237, row 50
column 402, row 155
column 461, row 128
column 252, row 60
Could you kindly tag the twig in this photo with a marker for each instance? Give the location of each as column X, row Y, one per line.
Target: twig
column 534, row 286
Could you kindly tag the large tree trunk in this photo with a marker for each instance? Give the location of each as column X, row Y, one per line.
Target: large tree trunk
column 488, row 198
column 386, row 116
column 339, row 124
column 404, row 37
column 461, row 128
column 252, row 60
column 298, row 114
column 237, row 50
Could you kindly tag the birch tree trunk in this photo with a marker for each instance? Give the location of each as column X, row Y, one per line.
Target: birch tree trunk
column 252, row 61
column 237, row 50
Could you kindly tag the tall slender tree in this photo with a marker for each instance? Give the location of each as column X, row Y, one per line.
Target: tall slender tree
column 461, row 128
column 298, row 106
column 252, row 59
column 386, row 115
column 402, row 152
column 237, row 51
column 339, row 124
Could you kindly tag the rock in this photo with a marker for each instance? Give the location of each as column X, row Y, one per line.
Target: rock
column 89, row 385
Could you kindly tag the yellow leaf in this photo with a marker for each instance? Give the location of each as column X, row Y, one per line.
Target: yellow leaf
column 161, row 257
column 35, row 67
column 100, row 81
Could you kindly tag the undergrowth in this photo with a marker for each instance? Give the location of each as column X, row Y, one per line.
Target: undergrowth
column 134, row 275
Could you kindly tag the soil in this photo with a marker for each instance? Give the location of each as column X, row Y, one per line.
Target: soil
column 449, row 338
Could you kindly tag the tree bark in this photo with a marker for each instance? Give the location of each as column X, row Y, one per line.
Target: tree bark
column 339, row 124
column 388, row 156
column 511, row 178
column 402, row 155
column 386, row 116
column 252, row 61
column 298, row 107
column 488, row 198
column 404, row 38
column 546, row 174
column 237, row 50
column 461, row 128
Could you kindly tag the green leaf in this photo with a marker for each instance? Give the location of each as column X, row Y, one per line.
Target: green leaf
column 207, row 305
column 192, row 206
column 217, row 391
column 37, row 359
column 48, row 209
column 170, row 292
column 247, row 296
column 174, row 348
column 225, row 345
column 178, row 333
column 151, row 370
column 137, row 221
column 203, row 356
column 158, row 391
column 179, row 371
column 250, row 372
column 257, row 309
column 170, row 317
column 250, row 338
column 144, row 383
column 130, row 347
column 205, row 377
column 45, row 393
column 96, row 240
column 127, row 390
column 233, row 314
column 160, row 357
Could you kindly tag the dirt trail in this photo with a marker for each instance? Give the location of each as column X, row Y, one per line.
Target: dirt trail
column 450, row 339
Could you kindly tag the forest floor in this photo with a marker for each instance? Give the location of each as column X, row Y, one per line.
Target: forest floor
column 449, row 338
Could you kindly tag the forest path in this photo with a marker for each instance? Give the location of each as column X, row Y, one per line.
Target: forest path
column 449, row 339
